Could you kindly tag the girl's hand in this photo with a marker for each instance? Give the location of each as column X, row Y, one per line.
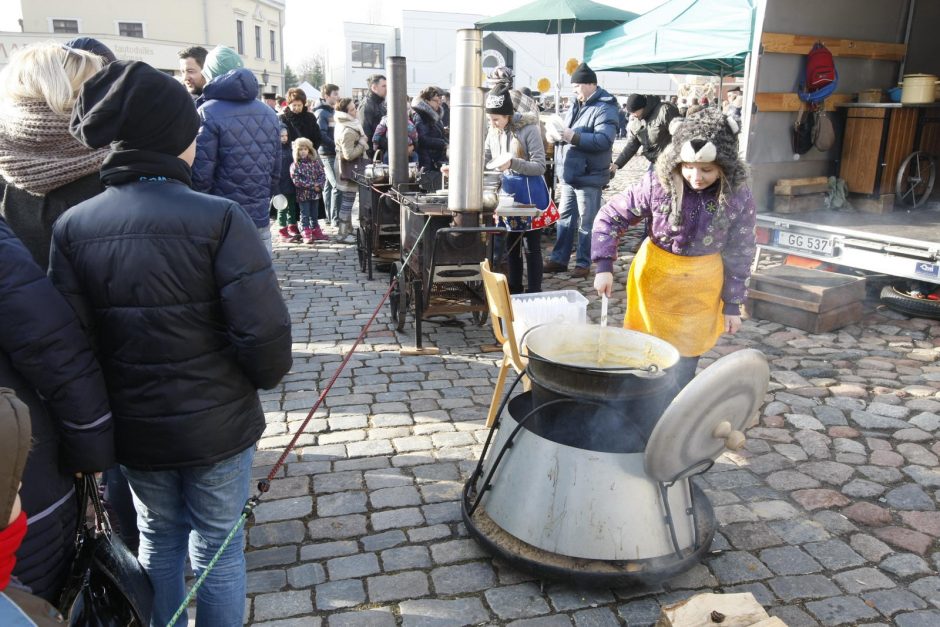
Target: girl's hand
column 732, row 324
column 603, row 282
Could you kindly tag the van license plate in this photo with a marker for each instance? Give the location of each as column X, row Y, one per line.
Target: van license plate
column 807, row 243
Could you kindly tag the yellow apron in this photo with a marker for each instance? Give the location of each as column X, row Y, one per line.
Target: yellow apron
column 676, row 298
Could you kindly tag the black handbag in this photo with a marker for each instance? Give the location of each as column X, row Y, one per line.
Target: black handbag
column 106, row 586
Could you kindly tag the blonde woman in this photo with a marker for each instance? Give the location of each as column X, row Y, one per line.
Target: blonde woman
column 45, row 169
column 351, row 145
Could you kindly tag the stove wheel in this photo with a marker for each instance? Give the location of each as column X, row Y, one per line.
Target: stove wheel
column 397, row 299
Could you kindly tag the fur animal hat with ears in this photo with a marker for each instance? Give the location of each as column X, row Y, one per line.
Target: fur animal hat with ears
column 707, row 136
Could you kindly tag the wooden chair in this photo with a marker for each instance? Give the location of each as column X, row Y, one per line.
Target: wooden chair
column 500, row 306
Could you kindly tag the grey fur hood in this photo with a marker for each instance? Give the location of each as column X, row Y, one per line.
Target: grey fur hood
column 708, row 126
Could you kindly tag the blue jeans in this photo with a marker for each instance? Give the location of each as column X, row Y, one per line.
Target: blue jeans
column 578, row 208
column 308, row 213
column 195, row 506
column 332, row 195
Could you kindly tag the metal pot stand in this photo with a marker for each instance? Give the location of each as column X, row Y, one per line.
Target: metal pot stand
column 577, row 526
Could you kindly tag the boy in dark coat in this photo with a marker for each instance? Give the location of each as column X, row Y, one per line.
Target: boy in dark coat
column 179, row 294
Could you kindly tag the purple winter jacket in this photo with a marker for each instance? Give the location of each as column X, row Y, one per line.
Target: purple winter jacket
column 704, row 230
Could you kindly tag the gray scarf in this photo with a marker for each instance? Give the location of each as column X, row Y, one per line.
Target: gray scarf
column 37, row 152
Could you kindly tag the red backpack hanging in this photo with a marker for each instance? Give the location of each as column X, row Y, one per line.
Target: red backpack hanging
column 820, row 68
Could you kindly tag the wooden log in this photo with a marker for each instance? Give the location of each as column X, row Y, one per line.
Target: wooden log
column 800, row 187
column 799, row 204
column 737, row 610
column 786, row 43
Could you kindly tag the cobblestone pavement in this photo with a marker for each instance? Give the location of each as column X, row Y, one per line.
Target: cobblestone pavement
column 829, row 516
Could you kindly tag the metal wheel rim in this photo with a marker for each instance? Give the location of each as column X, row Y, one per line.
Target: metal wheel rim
column 917, row 169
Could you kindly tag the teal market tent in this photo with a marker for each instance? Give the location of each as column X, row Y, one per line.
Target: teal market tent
column 705, row 37
column 557, row 17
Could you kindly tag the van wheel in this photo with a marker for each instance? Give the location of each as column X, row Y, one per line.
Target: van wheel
column 902, row 301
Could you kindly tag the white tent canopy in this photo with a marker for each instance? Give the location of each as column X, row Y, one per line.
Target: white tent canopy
column 313, row 94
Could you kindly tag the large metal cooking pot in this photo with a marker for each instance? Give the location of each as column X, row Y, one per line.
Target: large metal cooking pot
column 377, row 172
column 490, row 199
column 625, row 375
column 492, row 179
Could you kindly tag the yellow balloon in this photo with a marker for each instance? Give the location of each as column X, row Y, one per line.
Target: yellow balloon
column 544, row 84
column 571, row 66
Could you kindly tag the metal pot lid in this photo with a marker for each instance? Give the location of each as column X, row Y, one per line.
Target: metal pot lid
column 709, row 415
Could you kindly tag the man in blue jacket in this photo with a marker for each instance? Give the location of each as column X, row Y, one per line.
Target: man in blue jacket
column 332, row 195
column 238, row 147
column 583, row 169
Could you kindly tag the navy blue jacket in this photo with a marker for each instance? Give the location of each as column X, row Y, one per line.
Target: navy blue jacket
column 179, row 293
column 46, row 359
column 585, row 161
column 238, row 149
column 285, row 184
column 324, row 113
column 432, row 143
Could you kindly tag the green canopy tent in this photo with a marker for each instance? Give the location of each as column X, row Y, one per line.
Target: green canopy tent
column 705, row 37
column 557, row 17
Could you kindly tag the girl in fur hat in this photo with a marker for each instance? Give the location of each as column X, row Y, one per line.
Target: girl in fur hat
column 687, row 281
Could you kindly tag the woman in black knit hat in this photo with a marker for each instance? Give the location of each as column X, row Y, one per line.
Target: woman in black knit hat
column 517, row 138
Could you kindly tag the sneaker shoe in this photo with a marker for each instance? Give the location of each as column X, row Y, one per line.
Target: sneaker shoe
column 349, row 238
column 319, row 235
column 553, row 266
column 580, row 272
column 308, row 235
column 293, row 230
column 284, row 234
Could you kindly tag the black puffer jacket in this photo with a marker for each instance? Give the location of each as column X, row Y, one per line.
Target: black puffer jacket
column 432, row 143
column 179, row 293
column 303, row 124
column 44, row 353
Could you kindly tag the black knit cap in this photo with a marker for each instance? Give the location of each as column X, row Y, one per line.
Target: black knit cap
column 635, row 102
column 499, row 101
column 583, row 75
column 92, row 45
column 134, row 107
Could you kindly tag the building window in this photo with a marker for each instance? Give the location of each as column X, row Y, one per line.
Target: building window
column 368, row 55
column 257, row 42
column 130, row 29
column 64, row 26
column 273, row 47
column 240, row 36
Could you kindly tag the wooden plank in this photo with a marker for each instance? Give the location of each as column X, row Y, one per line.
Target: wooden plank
column 901, row 131
column 861, row 143
column 878, row 204
column 785, row 43
column 788, row 101
column 867, row 112
column 799, row 187
column 783, row 300
column 808, row 321
column 799, row 204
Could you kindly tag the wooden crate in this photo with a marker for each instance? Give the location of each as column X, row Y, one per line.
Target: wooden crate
column 799, row 187
column 799, row 204
column 812, row 300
